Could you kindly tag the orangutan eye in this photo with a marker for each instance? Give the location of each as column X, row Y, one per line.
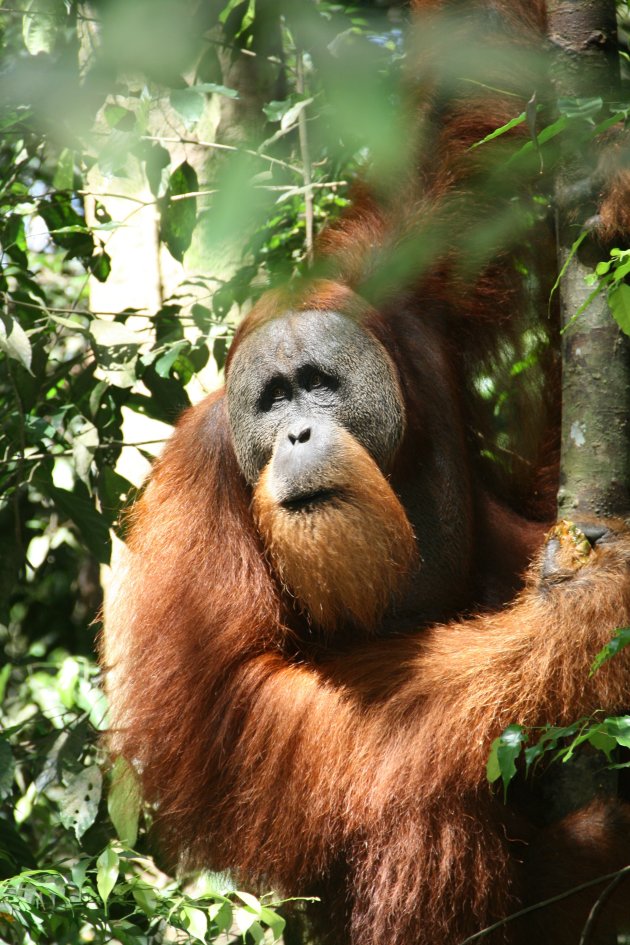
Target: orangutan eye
column 276, row 392
column 319, row 381
column 315, row 380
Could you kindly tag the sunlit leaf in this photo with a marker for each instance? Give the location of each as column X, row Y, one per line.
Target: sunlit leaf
column 123, row 802
column 619, row 301
column 64, row 172
column 196, row 922
column 275, row 922
column 66, row 226
column 7, row 769
column 81, row 510
column 41, row 24
column 108, row 333
column 619, row 729
column 107, row 869
column 243, row 919
column 79, row 800
column 292, row 114
column 190, row 105
column 14, row 341
column 620, row 640
column 503, row 754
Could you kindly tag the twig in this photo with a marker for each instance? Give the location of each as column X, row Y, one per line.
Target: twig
column 223, row 147
column 597, row 908
column 306, row 161
column 541, row 905
column 36, row 457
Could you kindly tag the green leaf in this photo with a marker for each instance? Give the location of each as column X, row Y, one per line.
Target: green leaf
column 94, row 702
column 215, row 88
column 196, row 922
column 78, row 872
column 275, row 922
column 64, row 172
column 274, row 110
column 14, row 341
column 582, row 108
column 620, row 640
column 243, row 919
column 79, row 800
column 189, row 104
column 178, row 217
column 66, row 751
column 619, row 729
column 249, row 900
column 513, row 123
column 115, row 114
column 110, row 334
column 221, row 915
column 101, row 266
column 574, row 248
column 619, row 301
column 155, row 158
column 5, row 675
column 114, row 491
column 146, row 898
column 292, row 114
column 503, row 754
column 41, row 24
column 67, row 228
column 602, row 740
column 81, row 510
column 256, row 931
column 7, row 769
column 165, row 362
column 123, row 802
column 107, row 869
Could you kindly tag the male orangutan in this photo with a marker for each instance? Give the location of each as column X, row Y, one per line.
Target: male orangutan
column 280, row 668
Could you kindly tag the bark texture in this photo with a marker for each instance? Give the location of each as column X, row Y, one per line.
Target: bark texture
column 595, row 458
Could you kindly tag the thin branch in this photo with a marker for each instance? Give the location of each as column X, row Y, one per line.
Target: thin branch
column 541, row 905
column 595, row 912
column 142, row 313
column 245, row 52
column 311, row 185
column 37, row 457
column 223, row 147
column 306, row 161
column 92, row 193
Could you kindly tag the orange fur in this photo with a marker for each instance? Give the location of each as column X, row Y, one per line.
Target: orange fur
column 345, row 561
column 278, row 767
column 357, row 770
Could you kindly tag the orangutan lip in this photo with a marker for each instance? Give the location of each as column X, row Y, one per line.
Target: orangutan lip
column 309, row 500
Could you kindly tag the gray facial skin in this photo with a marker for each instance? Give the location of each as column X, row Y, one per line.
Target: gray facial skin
column 295, row 379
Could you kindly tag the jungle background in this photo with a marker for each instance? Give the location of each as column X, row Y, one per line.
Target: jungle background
column 162, row 163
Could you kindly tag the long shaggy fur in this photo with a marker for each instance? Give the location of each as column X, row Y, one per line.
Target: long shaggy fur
column 280, row 767
column 347, row 559
column 357, row 769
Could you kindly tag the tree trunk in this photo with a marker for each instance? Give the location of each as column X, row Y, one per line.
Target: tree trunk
column 595, row 454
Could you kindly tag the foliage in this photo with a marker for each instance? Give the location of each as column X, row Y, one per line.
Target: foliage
column 96, row 99
column 77, row 120
column 559, row 743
